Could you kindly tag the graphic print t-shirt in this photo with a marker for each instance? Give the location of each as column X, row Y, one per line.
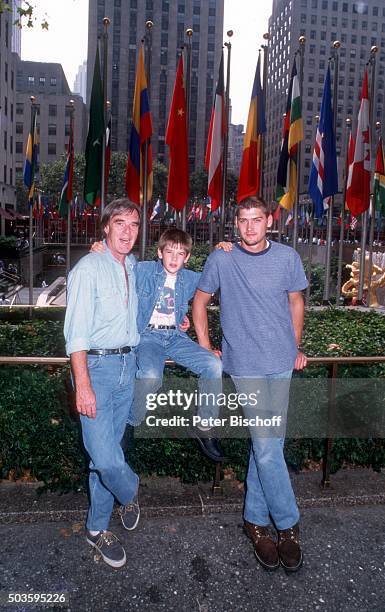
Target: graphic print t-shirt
column 164, row 311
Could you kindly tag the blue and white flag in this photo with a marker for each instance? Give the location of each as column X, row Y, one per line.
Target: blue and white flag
column 323, row 180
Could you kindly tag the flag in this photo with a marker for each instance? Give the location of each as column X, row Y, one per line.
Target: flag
column 107, row 156
column 216, row 135
column 67, row 190
column 379, row 180
column 358, row 184
column 156, row 210
column 30, row 162
column 292, row 134
column 94, row 144
column 249, row 183
column 349, row 164
column 323, row 180
column 177, row 140
column 141, row 132
column 353, row 223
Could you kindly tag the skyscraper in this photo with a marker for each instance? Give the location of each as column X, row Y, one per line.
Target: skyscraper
column 358, row 26
column 171, row 18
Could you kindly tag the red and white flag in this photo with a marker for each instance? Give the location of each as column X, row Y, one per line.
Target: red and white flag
column 214, row 155
column 358, row 185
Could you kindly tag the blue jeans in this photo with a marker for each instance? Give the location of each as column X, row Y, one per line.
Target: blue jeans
column 268, row 488
column 158, row 345
column 112, row 379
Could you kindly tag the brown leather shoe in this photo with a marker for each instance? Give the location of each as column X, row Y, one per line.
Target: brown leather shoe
column 289, row 550
column 265, row 549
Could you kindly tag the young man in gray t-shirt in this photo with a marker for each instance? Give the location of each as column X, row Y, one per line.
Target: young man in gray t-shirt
column 262, row 312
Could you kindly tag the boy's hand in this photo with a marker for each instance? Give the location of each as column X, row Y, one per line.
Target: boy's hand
column 217, row 352
column 185, row 325
column 225, row 246
column 98, row 247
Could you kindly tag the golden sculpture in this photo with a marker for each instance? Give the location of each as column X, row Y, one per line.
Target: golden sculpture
column 350, row 288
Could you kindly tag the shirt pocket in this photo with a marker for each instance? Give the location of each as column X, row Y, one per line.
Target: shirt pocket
column 108, row 304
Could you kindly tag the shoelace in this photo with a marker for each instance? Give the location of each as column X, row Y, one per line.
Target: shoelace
column 107, row 537
column 288, row 534
column 261, row 532
column 128, row 507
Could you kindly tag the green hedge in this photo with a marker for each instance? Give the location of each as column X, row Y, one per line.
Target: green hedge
column 40, row 439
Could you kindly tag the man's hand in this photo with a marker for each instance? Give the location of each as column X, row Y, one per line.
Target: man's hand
column 185, row 325
column 86, row 401
column 98, row 247
column 217, row 352
column 300, row 361
column 225, row 246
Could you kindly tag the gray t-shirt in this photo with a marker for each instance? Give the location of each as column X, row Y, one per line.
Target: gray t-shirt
column 258, row 335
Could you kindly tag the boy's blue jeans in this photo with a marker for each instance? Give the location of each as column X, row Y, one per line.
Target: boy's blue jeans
column 112, row 379
column 268, row 488
column 158, row 345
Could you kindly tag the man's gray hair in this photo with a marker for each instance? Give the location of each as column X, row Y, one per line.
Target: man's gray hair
column 121, row 205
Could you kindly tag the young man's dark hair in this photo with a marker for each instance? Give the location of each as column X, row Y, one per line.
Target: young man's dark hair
column 253, row 202
column 175, row 237
column 121, row 205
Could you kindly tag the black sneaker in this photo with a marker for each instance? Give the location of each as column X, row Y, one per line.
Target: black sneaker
column 130, row 514
column 208, row 444
column 109, row 547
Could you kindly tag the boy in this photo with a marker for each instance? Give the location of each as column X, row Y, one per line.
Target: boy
column 164, row 289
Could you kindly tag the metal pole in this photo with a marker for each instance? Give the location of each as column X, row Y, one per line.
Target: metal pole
column 301, row 51
column 225, row 141
column 106, row 23
column 148, row 41
column 329, row 230
column 189, row 33
column 30, row 298
column 265, row 48
column 68, row 250
column 309, row 258
column 372, row 61
column 342, row 228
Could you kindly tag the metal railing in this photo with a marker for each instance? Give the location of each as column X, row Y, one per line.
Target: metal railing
column 332, row 364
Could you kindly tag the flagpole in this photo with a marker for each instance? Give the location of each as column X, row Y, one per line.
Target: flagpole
column 225, row 140
column 106, row 23
column 311, row 234
column 30, row 298
column 329, row 230
column 348, row 123
column 265, row 48
column 69, row 205
column 148, row 42
column 301, row 51
column 377, row 126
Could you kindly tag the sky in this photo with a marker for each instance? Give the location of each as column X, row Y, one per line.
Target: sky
column 66, row 42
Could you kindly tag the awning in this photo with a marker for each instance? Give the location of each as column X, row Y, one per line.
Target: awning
column 4, row 213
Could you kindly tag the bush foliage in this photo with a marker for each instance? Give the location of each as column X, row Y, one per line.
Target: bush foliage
column 39, row 439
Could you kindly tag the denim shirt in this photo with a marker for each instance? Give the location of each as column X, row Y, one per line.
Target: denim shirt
column 150, row 279
column 97, row 314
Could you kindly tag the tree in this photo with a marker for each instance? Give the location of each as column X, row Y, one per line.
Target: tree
column 27, row 14
column 160, row 181
column 199, row 180
column 51, row 175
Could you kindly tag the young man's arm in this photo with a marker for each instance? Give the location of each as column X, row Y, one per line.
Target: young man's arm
column 297, row 310
column 199, row 313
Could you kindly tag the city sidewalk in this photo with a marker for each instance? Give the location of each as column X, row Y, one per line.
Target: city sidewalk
column 189, row 552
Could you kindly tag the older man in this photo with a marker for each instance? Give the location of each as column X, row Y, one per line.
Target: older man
column 100, row 331
column 262, row 313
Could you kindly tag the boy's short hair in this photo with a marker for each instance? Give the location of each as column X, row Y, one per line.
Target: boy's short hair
column 116, row 207
column 175, row 237
column 253, row 202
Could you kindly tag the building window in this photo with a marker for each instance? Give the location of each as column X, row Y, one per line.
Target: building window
column 19, row 108
column 42, row 80
column 52, row 110
column 19, row 128
column 6, row 71
column 31, row 80
column 5, row 139
column 52, row 148
column 67, row 129
column 51, row 129
column 53, row 81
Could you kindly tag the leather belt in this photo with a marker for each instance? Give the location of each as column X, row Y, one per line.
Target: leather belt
column 151, row 326
column 118, row 351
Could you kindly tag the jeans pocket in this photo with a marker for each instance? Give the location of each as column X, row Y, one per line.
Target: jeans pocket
column 93, row 361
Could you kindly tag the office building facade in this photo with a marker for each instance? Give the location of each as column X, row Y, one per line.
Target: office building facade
column 171, row 18
column 358, row 26
column 80, row 84
column 48, row 84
